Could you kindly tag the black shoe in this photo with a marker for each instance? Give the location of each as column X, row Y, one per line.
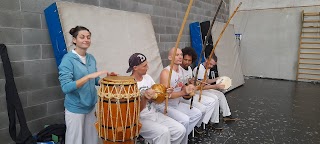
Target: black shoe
column 229, row 118
column 141, row 139
column 199, row 130
column 217, row 126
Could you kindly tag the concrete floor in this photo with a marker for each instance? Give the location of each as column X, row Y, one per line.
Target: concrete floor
column 270, row 111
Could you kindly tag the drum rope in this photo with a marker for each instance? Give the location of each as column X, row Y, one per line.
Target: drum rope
column 106, row 116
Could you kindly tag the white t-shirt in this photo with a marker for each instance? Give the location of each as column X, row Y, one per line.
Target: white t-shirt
column 187, row 74
column 82, row 58
column 201, row 72
column 145, row 84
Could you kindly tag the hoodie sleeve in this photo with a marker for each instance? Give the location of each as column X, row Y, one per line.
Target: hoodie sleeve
column 95, row 63
column 97, row 81
column 66, row 76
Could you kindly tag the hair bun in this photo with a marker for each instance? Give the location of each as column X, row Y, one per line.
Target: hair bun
column 72, row 31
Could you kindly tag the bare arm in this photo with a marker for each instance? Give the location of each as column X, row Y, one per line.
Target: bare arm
column 210, row 81
column 83, row 80
column 216, row 86
column 146, row 96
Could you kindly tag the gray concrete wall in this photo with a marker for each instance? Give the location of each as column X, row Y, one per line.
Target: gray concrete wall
column 270, row 36
column 23, row 29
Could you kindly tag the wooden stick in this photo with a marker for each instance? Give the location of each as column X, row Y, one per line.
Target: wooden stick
column 300, row 45
column 176, row 47
column 204, row 47
column 215, row 45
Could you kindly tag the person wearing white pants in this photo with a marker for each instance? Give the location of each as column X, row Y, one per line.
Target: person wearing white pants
column 78, row 77
column 177, row 110
column 156, row 127
column 162, row 130
column 81, row 125
column 222, row 103
column 210, row 90
column 184, row 115
column 208, row 106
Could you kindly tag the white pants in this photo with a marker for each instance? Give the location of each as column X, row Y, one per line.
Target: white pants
column 223, row 104
column 184, row 115
column 207, row 105
column 164, row 130
column 80, row 128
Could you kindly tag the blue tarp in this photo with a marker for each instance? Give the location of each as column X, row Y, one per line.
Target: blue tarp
column 196, row 39
column 55, row 31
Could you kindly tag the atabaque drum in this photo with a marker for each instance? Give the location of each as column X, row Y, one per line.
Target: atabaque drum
column 118, row 110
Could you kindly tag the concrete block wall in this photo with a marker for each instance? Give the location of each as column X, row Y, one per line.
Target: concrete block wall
column 23, row 29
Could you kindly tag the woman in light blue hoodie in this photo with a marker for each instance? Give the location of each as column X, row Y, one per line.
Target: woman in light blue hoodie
column 78, row 76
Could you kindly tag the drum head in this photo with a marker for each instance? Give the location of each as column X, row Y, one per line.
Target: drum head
column 226, row 81
column 118, row 80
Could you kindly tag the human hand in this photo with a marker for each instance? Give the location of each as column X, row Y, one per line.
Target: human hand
column 220, row 86
column 191, row 80
column 112, row 74
column 149, row 94
column 96, row 74
column 189, row 89
column 170, row 90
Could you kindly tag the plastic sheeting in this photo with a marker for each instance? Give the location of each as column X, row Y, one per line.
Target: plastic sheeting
column 115, row 35
column 55, row 32
column 227, row 52
column 196, row 38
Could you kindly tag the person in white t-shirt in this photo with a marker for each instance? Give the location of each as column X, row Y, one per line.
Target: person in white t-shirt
column 156, row 127
column 177, row 110
column 208, row 106
column 212, row 89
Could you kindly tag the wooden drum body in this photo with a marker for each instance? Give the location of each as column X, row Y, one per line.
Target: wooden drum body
column 118, row 110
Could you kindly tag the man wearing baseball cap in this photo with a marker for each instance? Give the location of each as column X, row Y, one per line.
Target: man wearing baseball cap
column 156, row 127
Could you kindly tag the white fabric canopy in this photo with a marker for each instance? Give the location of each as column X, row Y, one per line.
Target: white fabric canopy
column 115, row 35
column 227, row 52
